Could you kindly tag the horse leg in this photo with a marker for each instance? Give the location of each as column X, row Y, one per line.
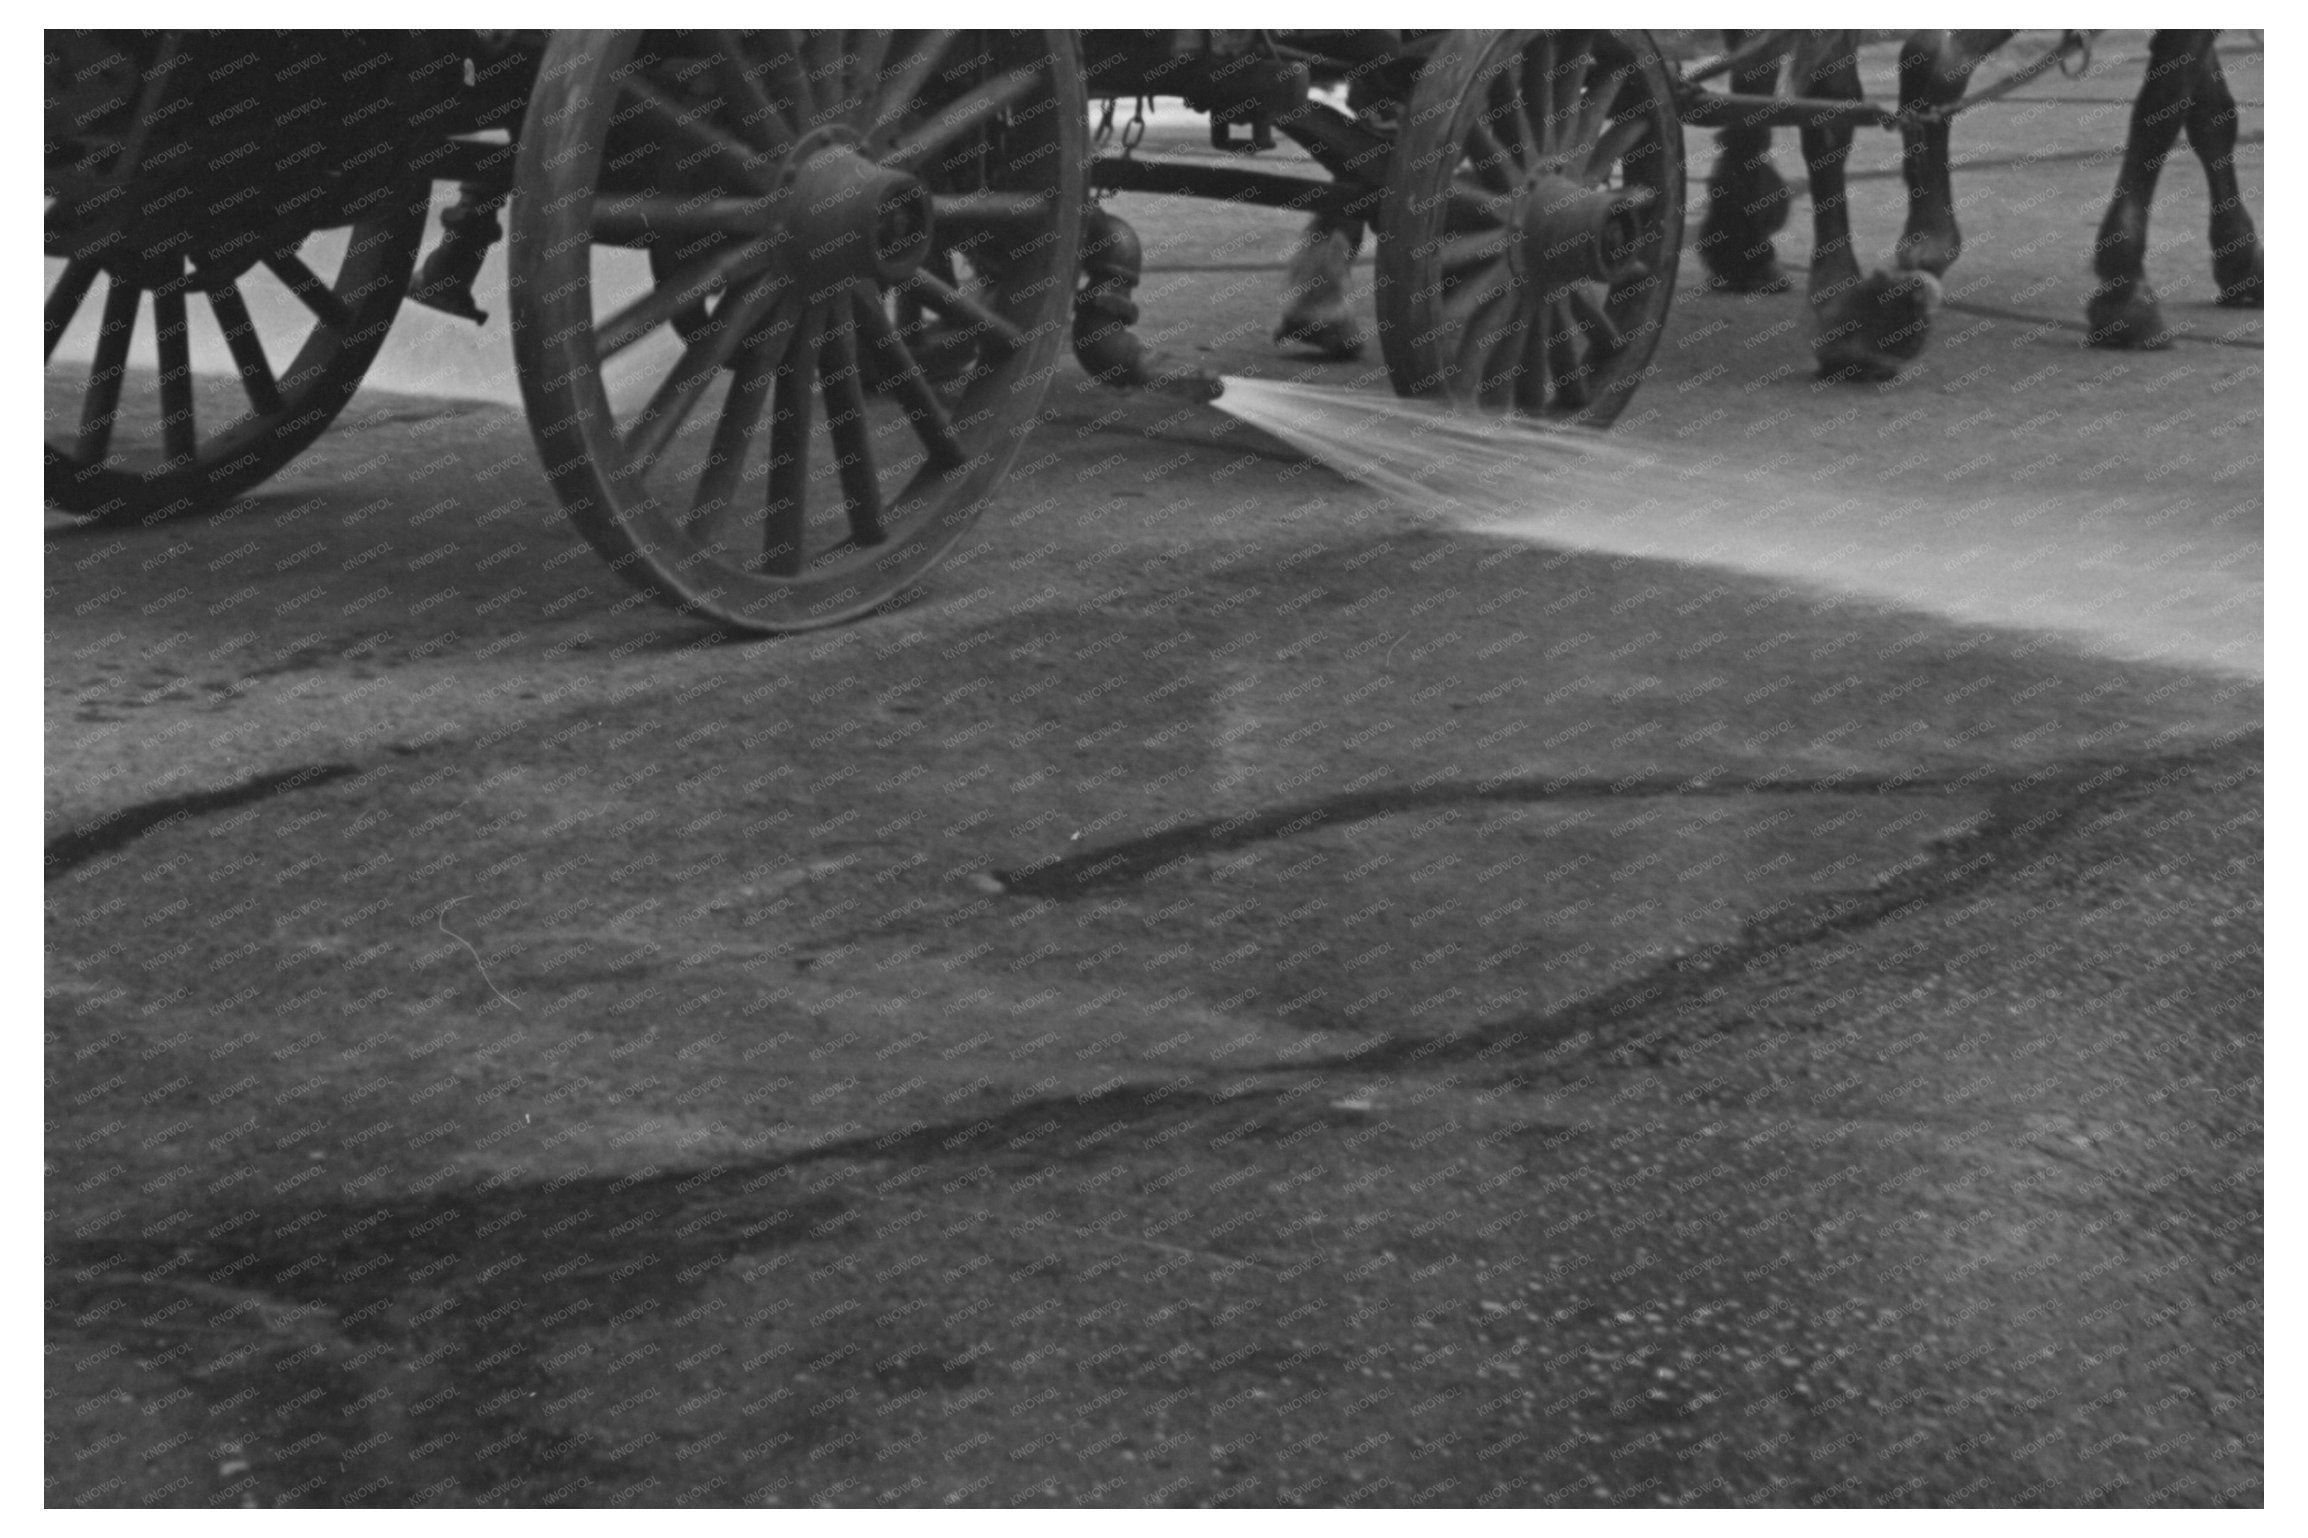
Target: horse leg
column 2123, row 311
column 1862, row 328
column 1747, row 198
column 1314, row 310
column 2211, row 129
column 1934, row 71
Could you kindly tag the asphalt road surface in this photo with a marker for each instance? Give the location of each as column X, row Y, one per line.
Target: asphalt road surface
column 1240, row 992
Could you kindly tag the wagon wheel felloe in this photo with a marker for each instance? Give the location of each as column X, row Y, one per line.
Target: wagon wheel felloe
column 118, row 460
column 731, row 252
column 1528, row 243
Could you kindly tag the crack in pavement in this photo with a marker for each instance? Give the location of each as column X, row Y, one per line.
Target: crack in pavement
column 1061, row 876
column 122, row 826
column 1648, row 1011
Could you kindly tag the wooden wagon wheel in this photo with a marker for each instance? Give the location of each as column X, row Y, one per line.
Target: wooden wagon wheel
column 114, row 463
column 1534, row 216
column 723, row 243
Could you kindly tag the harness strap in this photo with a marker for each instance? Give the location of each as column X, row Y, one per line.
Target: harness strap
column 2071, row 42
column 1755, row 50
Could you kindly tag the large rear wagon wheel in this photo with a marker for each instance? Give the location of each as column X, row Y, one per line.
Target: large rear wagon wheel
column 724, row 247
column 133, row 448
column 1534, row 216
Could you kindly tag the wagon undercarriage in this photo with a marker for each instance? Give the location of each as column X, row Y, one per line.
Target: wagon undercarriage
column 840, row 265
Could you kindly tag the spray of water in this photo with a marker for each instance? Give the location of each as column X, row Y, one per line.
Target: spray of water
column 2119, row 572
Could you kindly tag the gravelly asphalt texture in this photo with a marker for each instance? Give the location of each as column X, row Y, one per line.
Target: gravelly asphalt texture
column 1238, row 993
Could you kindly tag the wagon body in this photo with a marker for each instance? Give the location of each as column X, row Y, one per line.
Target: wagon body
column 840, row 267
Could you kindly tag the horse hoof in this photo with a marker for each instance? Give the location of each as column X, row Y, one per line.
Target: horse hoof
column 2126, row 316
column 1336, row 338
column 2241, row 281
column 1869, row 330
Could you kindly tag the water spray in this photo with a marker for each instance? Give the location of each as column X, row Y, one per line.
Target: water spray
column 2036, row 561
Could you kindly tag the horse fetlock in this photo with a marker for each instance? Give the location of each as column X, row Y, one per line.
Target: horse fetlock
column 1931, row 251
column 1315, row 313
column 1750, row 195
column 1747, row 204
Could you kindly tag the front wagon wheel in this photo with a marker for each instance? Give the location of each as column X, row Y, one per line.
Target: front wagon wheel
column 725, row 246
column 1528, row 243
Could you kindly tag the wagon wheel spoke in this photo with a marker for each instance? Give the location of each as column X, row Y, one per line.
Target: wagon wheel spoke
column 1462, row 306
column 727, row 468
column 909, row 384
column 1495, row 159
column 790, row 88
column 1479, row 338
column 961, row 309
column 684, row 289
column 631, row 217
column 1506, row 123
column 1474, row 207
column 179, row 439
column 677, row 396
column 307, row 286
column 845, row 420
column 1532, row 386
column 240, row 335
column 101, row 406
column 1613, row 145
column 1571, row 378
column 1594, row 112
column 782, row 533
column 775, row 130
column 906, row 82
column 1498, row 349
column 1457, row 253
column 972, row 109
column 864, row 70
column 824, row 63
column 1604, row 339
column 1574, row 57
column 1537, row 89
column 65, row 298
column 689, row 124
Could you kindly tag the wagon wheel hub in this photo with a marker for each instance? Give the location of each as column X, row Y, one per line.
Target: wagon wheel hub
column 848, row 217
column 1569, row 232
